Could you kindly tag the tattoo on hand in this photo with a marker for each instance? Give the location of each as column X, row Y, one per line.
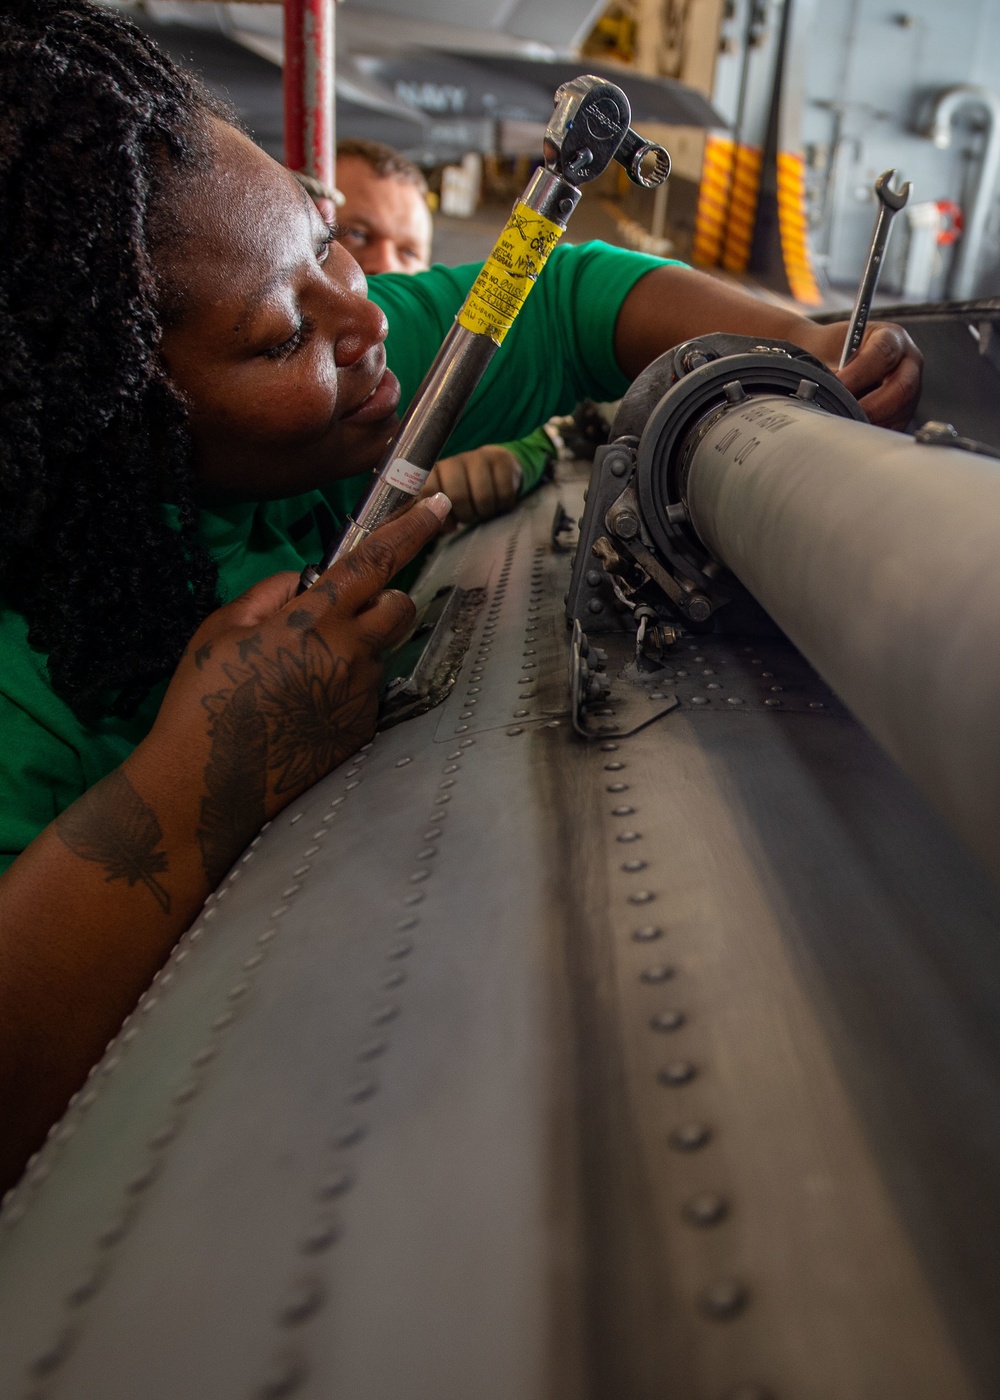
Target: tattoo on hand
column 235, row 779
column 290, row 718
column 113, row 827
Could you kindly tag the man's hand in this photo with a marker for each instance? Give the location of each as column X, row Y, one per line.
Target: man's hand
column 479, row 484
column 884, row 375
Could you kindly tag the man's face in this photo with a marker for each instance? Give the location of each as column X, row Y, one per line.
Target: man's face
column 384, row 223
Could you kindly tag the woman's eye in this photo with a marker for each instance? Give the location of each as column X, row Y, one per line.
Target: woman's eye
column 295, row 341
column 323, row 251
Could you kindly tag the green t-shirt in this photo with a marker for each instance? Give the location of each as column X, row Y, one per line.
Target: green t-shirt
column 559, row 351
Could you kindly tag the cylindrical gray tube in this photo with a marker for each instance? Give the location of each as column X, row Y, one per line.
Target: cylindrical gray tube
column 880, row 559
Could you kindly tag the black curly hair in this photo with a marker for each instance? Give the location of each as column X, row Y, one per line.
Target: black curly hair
column 95, row 124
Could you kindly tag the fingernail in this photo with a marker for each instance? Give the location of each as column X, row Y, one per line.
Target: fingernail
column 439, row 504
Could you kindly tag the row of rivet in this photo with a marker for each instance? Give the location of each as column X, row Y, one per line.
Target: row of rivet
column 308, row 1291
column 43, row 1368
column 486, row 638
column 725, row 1298
column 772, row 700
column 529, row 651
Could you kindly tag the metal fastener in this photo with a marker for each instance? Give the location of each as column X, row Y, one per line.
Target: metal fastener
column 326, row 1231
column 706, row 1208
column 688, row 1137
column 631, row 866
column 511, row 733
column 627, row 836
column 52, row 1356
column 335, row 1185
column 362, row 1091
column 659, row 972
column 641, row 897
column 668, row 1020
column 385, row 1013
column 622, row 811
column 614, row 766
column 616, row 787
column 303, row 1299
column 677, row 1072
column 646, row 933
column 370, row 1050
column 284, row 1376
column 347, row 1133
column 724, row 1299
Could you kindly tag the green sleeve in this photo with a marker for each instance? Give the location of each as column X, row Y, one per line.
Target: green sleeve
column 560, row 349
column 534, row 453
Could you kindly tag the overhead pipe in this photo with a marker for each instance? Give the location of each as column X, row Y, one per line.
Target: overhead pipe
column 946, row 108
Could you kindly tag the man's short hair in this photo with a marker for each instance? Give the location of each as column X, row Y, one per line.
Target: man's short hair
column 383, row 160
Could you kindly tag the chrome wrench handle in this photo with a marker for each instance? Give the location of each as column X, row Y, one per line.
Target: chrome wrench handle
column 890, row 202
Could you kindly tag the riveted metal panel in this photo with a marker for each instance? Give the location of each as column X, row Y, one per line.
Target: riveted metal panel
column 509, row 1065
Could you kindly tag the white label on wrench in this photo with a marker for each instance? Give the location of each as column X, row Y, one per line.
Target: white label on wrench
column 405, row 476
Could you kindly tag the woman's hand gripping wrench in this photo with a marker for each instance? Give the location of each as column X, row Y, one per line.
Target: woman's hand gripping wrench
column 889, row 204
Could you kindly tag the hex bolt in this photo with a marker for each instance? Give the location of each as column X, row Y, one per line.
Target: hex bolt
column 698, row 608
column 707, row 1208
column 625, row 524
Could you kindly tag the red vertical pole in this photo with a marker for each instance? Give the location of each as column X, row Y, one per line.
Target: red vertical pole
column 309, row 89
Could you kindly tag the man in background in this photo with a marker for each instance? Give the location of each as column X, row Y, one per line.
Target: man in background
column 385, row 224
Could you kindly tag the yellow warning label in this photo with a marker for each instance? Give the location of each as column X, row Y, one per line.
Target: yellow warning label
column 509, row 273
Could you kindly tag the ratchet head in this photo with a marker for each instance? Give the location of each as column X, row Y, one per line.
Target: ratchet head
column 893, row 200
column 590, row 128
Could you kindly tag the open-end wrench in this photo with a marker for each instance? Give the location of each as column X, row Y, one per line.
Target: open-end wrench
column 889, row 204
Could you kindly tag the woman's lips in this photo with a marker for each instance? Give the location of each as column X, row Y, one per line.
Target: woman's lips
column 380, row 403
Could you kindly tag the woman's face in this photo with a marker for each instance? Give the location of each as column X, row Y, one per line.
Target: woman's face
column 274, row 344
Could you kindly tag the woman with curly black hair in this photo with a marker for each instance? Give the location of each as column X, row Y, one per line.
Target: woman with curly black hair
column 192, row 381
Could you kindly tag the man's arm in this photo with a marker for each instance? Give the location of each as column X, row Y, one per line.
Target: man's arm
column 672, row 304
column 487, row 481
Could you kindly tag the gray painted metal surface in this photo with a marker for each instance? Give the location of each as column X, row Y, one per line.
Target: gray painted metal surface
column 505, row 1065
